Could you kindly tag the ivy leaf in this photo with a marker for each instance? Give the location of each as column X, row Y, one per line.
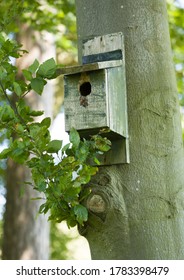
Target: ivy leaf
column 74, row 138
column 54, row 146
column 81, row 213
column 37, row 84
column 47, row 69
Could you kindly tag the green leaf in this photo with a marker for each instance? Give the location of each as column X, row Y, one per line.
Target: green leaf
column 19, row 128
column 33, row 67
column 39, row 179
column 37, row 84
column 81, row 213
column 46, row 122
column 27, row 74
column 85, row 173
column 6, row 113
column 34, row 130
column 66, row 147
column 40, row 134
column 34, row 113
column 84, row 193
column 102, row 144
column 37, row 198
column 17, row 88
column 74, row 138
column 3, row 74
column 34, row 162
column 44, row 208
column 47, row 69
column 54, row 146
column 19, row 152
column 4, row 154
column 96, row 161
column 71, row 222
column 82, row 152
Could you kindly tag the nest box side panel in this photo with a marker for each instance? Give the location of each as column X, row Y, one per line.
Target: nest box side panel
column 117, row 100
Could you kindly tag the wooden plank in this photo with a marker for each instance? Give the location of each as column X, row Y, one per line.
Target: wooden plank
column 102, row 44
column 116, row 94
column 88, row 67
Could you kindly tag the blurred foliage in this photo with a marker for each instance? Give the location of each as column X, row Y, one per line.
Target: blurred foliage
column 55, row 16
column 1, row 235
column 58, row 17
column 176, row 25
column 58, row 241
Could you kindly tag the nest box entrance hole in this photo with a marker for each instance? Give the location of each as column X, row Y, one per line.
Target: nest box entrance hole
column 84, row 89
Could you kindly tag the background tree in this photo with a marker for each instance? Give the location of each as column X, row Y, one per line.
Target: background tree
column 24, row 238
column 143, row 199
column 30, row 239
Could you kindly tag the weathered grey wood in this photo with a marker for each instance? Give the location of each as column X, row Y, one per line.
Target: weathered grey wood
column 88, row 67
column 101, row 44
column 116, row 94
column 106, row 105
column 94, row 115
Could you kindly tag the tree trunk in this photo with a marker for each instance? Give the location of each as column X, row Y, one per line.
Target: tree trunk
column 26, row 234
column 137, row 209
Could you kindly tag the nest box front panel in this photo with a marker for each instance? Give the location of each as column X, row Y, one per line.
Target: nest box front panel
column 85, row 101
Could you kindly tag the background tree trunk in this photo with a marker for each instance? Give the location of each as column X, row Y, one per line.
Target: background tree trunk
column 143, row 208
column 26, row 234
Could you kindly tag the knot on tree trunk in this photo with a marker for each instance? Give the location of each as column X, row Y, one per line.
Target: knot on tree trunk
column 96, row 204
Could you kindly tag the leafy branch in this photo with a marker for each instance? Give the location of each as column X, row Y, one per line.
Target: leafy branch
column 62, row 183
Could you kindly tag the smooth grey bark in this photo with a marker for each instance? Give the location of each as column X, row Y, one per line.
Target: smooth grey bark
column 137, row 209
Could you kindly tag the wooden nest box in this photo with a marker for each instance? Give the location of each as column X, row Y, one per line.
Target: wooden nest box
column 95, row 95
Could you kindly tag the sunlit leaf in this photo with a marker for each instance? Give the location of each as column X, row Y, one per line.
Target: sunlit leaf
column 54, row 146
column 17, row 88
column 74, row 138
column 47, row 69
column 33, row 67
column 81, row 213
column 37, row 84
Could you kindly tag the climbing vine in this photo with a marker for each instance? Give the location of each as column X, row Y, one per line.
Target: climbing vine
column 61, row 183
